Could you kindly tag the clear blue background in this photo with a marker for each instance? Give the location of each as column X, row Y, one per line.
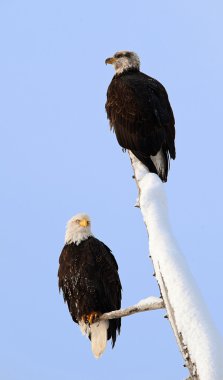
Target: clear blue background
column 58, row 158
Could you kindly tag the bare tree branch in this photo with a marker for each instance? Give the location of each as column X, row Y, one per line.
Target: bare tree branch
column 150, row 303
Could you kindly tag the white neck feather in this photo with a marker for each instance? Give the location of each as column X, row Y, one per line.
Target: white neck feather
column 124, row 67
column 77, row 238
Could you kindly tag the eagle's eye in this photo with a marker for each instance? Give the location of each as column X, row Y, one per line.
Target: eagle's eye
column 88, row 223
column 119, row 55
column 77, row 221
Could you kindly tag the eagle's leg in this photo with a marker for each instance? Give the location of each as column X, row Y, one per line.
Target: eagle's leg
column 91, row 317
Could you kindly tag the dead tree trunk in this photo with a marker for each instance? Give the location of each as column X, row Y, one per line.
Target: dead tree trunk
column 197, row 339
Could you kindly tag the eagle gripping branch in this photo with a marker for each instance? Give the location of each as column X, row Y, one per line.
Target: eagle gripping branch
column 147, row 304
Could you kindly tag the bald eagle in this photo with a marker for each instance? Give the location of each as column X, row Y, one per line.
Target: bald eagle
column 140, row 114
column 88, row 277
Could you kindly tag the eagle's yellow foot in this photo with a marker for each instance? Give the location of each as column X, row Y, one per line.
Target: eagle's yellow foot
column 92, row 317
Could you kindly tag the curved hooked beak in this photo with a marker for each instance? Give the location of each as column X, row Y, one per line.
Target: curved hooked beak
column 83, row 223
column 110, row 61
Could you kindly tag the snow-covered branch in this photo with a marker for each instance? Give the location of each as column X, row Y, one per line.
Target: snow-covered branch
column 197, row 338
column 150, row 303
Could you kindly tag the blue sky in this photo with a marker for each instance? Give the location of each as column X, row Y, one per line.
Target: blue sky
column 59, row 158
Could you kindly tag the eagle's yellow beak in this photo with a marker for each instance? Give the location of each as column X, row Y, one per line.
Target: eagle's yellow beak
column 110, row 60
column 83, row 223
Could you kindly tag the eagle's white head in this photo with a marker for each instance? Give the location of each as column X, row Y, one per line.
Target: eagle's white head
column 124, row 60
column 78, row 229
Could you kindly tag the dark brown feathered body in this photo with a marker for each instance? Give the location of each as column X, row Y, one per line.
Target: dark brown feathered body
column 142, row 118
column 88, row 277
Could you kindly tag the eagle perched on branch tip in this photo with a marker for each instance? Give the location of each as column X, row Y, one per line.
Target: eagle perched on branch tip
column 139, row 111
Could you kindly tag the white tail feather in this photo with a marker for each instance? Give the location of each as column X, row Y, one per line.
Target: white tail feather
column 98, row 333
column 159, row 162
column 99, row 337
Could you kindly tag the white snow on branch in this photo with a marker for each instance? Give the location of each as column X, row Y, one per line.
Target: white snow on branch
column 195, row 329
column 150, row 303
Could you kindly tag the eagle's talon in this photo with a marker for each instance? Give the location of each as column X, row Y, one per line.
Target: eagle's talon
column 91, row 318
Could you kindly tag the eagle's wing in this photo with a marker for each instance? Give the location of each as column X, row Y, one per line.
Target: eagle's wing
column 80, row 281
column 110, row 285
column 140, row 113
column 64, row 266
column 163, row 112
column 109, row 279
column 68, row 277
